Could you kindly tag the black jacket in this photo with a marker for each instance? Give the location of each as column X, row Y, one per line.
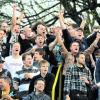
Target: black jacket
column 34, row 96
column 83, row 44
column 49, row 80
column 97, row 71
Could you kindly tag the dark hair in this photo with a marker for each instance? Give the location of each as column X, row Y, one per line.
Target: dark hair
column 79, row 54
column 39, row 79
column 75, row 41
column 34, row 27
column 74, row 25
column 40, row 51
column 24, row 55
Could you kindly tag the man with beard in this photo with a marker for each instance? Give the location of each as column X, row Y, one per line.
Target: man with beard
column 77, row 78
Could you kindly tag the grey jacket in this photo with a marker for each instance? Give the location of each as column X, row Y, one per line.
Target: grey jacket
column 34, row 96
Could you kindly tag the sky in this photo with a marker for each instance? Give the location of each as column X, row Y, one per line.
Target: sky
column 8, row 8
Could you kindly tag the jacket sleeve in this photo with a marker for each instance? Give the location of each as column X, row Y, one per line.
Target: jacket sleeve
column 97, row 71
column 91, row 38
column 31, row 86
column 67, row 38
column 91, row 49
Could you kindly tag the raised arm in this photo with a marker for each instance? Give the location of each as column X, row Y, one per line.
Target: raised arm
column 94, row 45
column 91, row 38
column 52, row 44
column 61, row 19
column 60, row 41
column 83, row 23
column 66, row 35
column 20, row 18
column 58, row 31
column 14, row 20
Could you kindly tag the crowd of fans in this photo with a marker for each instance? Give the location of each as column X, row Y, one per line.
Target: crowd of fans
column 29, row 60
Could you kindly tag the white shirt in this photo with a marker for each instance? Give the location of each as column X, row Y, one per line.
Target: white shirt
column 13, row 65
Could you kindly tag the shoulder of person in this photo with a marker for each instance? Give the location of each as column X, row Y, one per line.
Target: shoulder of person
column 35, row 68
column 87, row 68
column 28, row 97
column 72, row 66
column 8, row 57
column 46, row 97
column 70, row 69
column 50, row 75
